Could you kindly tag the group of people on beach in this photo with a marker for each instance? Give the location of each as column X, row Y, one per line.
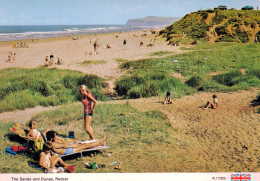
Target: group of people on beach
column 58, row 145
column 20, row 44
column 11, row 56
column 50, row 61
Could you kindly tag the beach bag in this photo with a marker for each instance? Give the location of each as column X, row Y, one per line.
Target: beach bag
column 38, row 145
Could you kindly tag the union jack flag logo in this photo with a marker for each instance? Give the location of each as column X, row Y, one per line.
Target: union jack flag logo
column 240, row 177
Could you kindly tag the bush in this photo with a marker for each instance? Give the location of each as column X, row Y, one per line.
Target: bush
column 124, row 84
column 92, row 81
column 195, row 81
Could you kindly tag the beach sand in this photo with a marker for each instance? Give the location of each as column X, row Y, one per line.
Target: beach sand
column 74, row 52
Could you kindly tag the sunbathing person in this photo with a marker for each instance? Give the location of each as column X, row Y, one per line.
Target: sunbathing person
column 47, row 161
column 69, row 148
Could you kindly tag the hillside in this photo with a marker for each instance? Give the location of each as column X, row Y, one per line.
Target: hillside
column 217, row 26
column 152, row 21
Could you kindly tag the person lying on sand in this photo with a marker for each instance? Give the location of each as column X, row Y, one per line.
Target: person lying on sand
column 47, row 161
column 213, row 104
column 168, row 99
column 69, row 148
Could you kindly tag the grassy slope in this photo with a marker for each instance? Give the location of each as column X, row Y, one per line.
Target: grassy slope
column 25, row 88
column 226, row 26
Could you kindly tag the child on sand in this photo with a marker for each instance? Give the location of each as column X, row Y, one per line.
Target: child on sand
column 213, row 104
column 48, row 162
column 168, row 99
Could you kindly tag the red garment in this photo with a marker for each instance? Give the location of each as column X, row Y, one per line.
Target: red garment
column 88, row 104
column 70, row 169
column 19, row 148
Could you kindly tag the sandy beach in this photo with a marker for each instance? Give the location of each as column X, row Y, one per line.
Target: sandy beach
column 73, row 52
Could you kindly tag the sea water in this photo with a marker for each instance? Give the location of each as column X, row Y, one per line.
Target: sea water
column 21, row 32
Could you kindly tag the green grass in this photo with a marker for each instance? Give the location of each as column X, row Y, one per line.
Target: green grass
column 133, row 136
column 120, row 60
column 151, row 77
column 25, row 88
column 93, row 62
column 161, row 53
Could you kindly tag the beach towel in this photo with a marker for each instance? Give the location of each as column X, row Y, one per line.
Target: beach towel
column 19, row 129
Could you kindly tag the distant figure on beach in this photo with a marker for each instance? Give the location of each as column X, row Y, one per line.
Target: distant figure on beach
column 59, row 61
column 194, row 42
column 213, row 104
column 14, row 56
column 124, row 42
column 168, row 99
column 51, row 59
column 95, row 46
column 141, row 43
column 47, row 63
column 9, row 56
column 89, row 105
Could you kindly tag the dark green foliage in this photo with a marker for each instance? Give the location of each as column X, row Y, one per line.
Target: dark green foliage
column 195, row 81
column 235, row 77
column 92, row 81
column 198, row 30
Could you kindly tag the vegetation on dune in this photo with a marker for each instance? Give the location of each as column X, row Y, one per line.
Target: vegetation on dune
column 25, row 88
column 214, row 67
column 89, row 62
column 217, row 26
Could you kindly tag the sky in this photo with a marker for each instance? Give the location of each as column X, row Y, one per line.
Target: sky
column 74, row 12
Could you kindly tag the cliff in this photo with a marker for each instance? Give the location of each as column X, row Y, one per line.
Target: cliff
column 152, row 21
column 216, row 26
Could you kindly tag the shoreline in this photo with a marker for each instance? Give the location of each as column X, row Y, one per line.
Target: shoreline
column 75, row 52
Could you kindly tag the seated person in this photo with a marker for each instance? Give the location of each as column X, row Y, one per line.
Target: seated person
column 47, row 62
column 69, row 148
column 213, row 104
column 168, row 99
column 47, row 161
column 33, row 133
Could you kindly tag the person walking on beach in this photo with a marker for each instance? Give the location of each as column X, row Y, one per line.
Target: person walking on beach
column 95, row 46
column 89, row 105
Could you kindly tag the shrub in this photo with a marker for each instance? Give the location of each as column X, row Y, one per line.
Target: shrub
column 195, row 81
column 92, row 81
column 126, row 83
